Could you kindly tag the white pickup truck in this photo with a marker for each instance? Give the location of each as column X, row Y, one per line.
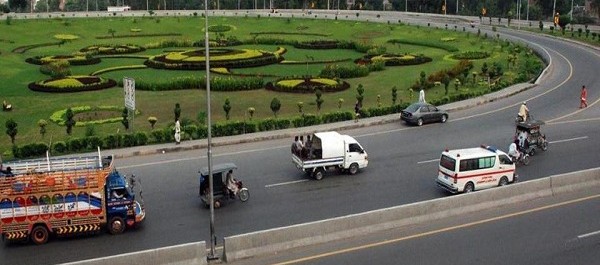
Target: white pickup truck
column 329, row 151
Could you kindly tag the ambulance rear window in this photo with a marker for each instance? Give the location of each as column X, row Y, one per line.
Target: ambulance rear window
column 448, row 163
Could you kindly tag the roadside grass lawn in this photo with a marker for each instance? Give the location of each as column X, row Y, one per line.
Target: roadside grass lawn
column 30, row 106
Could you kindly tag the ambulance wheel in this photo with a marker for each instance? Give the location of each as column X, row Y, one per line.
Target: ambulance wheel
column 469, row 187
column 353, row 169
column 116, row 225
column 39, row 235
column 503, row 181
column 318, row 175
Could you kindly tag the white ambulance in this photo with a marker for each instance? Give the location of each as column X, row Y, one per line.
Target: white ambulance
column 470, row 169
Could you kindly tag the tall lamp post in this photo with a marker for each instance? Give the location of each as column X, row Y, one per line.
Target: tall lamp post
column 211, row 255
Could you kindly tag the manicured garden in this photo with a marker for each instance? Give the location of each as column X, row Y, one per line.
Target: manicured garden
column 266, row 73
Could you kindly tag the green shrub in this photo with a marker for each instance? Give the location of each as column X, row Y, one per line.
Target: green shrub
column 129, row 140
column 93, row 142
column 141, row 138
column 59, row 147
column 337, row 116
column 112, row 141
column 76, row 145
column 30, row 150
column 273, row 124
column 306, row 120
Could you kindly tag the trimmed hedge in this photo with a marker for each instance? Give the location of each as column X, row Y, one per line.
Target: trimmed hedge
column 471, row 55
column 431, row 44
column 196, row 82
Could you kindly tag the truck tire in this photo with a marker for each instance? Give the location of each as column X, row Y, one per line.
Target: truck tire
column 318, row 174
column 39, row 235
column 353, row 168
column 116, row 225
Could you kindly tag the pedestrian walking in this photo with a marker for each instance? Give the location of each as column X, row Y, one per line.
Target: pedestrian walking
column 422, row 96
column 583, row 103
column 356, row 111
column 177, row 132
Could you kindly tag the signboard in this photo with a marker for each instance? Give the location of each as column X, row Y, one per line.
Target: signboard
column 129, row 86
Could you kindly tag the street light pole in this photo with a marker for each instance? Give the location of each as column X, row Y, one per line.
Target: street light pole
column 553, row 10
column 571, row 10
column 527, row 12
column 213, row 238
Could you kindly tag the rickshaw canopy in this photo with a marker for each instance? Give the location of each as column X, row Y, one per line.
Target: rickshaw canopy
column 218, row 168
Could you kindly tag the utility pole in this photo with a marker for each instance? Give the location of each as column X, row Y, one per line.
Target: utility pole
column 571, row 10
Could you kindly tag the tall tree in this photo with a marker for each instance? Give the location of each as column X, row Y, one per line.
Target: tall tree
column 11, row 129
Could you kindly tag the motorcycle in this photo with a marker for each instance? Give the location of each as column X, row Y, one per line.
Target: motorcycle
column 523, row 159
column 519, row 119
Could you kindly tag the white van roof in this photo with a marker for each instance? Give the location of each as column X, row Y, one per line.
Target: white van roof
column 472, row 152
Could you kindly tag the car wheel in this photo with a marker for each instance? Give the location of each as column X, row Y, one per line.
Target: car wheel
column 469, row 187
column 420, row 122
column 444, row 118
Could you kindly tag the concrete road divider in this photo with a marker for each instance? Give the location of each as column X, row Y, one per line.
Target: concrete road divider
column 190, row 253
column 280, row 239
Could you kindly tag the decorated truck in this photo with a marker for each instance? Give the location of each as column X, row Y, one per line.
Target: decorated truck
column 64, row 197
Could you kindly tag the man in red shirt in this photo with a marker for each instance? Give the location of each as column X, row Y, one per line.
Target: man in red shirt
column 583, row 98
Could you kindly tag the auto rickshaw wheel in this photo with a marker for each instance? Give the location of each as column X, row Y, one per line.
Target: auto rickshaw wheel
column 545, row 145
column 217, row 204
column 244, row 194
column 532, row 152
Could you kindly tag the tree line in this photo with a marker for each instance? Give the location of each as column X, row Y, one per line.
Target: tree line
column 494, row 8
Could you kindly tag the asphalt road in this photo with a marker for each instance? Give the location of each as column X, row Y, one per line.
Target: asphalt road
column 553, row 230
column 402, row 168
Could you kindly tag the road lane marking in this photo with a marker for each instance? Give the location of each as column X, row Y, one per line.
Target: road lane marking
column 285, row 183
column 588, row 235
column 573, row 121
column 438, row 231
column 201, row 157
column 568, row 140
column 428, row 161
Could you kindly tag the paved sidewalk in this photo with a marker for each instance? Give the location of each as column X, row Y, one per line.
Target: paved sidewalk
column 289, row 133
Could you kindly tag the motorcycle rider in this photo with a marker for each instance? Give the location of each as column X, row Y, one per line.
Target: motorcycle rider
column 513, row 152
column 523, row 111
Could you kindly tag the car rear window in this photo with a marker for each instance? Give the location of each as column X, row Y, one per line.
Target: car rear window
column 448, row 163
column 412, row 108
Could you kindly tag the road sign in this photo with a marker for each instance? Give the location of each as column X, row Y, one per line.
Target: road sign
column 129, row 87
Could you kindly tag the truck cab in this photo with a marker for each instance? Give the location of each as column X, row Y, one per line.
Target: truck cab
column 122, row 208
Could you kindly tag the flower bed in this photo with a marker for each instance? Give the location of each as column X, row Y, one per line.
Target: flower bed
column 394, row 59
column 72, row 59
column 72, row 84
column 106, row 49
column 307, row 85
column 96, row 115
column 224, row 58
